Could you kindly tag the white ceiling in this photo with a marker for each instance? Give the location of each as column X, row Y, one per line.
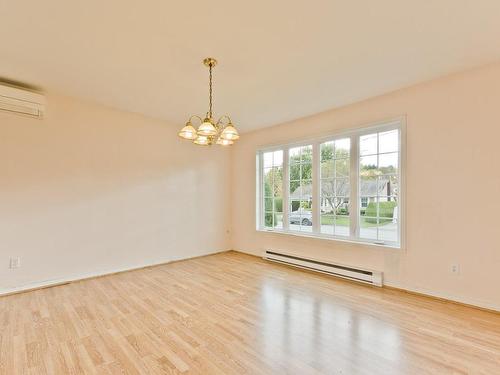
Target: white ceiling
column 278, row 60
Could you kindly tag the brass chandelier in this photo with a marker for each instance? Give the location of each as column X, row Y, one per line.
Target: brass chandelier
column 221, row 132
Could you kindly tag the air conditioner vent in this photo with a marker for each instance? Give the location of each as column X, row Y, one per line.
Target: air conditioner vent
column 21, row 102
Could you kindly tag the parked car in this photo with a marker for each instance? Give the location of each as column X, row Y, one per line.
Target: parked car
column 302, row 217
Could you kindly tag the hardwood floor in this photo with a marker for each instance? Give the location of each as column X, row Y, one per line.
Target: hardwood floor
column 234, row 314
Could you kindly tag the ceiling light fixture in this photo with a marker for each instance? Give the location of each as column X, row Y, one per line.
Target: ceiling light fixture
column 209, row 132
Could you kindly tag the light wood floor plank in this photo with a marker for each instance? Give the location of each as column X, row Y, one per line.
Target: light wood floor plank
column 232, row 313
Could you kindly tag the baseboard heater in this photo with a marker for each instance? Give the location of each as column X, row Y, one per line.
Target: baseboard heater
column 343, row 271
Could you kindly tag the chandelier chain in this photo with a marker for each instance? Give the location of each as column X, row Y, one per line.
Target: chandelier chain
column 210, row 92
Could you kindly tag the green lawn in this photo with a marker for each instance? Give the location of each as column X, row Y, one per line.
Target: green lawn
column 344, row 221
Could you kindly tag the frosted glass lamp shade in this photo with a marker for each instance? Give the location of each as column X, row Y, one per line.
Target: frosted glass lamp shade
column 201, row 140
column 188, row 132
column 224, row 142
column 207, row 128
column 230, row 133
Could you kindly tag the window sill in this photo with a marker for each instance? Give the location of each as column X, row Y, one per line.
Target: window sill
column 317, row 236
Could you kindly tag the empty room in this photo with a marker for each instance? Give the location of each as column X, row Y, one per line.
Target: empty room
column 260, row 187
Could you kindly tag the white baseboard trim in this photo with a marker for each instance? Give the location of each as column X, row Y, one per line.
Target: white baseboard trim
column 448, row 297
column 61, row 281
column 440, row 295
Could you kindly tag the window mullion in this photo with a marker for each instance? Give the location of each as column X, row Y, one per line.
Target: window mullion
column 316, row 165
column 286, row 188
column 354, row 182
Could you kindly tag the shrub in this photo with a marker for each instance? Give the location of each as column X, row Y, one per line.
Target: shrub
column 342, row 211
column 268, row 218
column 386, row 210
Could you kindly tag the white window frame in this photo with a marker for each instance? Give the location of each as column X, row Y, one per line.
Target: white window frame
column 354, row 134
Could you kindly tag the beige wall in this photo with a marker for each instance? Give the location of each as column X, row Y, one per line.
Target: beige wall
column 453, row 188
column 91, row 190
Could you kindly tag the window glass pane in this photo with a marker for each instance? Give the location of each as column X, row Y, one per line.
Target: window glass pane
column 342, row 148
column 278, row 205
column 368, row 232
column 387, row 211
column 327, row 151
column 341, row 167
column 306, row 154
column 372, row 208
column 278, row 220
column 294, row 172
column 387, row 186
column 306, row 219
column 278, row 158
column 368, row 144
column 307, row 191
column 368, row 186
column 342, row 225
column 306, row 171
column 394, row 188
column 328, row 188
column 327, row 219
column 306, row 205
column 268, row 159
column 268, row 219
column 301, row 215
column 294, row 155
column 389, row 141
column 327, row 224
column 268, row 182
column 268, row 173
column 368, row 165
column 341, row 206
column 342, row 187
column 295, row 190
column 268, row 204
column 294, row 206
column 295, row 214
column 327, row 169
column 278, row 182
column 327, row 205
column 388, row 232
column 364, row 202
column 388, row 163
column 368, row 206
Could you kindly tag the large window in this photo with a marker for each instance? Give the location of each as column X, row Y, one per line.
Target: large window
column 347, row 186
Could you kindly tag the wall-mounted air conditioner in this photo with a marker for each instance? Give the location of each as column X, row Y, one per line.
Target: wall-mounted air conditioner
column 21, row 102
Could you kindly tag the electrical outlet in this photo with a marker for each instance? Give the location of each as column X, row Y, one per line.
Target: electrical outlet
column 15, row 263
column 455, row 269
